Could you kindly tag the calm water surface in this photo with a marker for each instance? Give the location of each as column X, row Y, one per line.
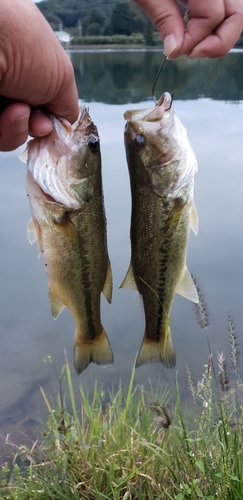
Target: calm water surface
column 208, row 97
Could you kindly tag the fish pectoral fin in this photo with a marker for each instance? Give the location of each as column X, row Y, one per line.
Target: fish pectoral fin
column 56, row 305
column 24, row 155
column 97, row 351
column 107, row 290
column 32, row 234
column 194, row 220
column 162, row 351
column 187, row 288
column 129, row 281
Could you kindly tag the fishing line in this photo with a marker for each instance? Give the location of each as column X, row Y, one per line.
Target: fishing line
column 156, row 79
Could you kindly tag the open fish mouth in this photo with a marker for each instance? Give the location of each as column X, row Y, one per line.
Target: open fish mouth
column 49, row 159
column 156, row 114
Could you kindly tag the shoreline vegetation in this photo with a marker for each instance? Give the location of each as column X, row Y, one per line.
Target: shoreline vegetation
column 135, row 41
column 133, row 444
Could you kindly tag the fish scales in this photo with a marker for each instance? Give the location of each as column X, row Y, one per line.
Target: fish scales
column 72, row 235
column 162, row 212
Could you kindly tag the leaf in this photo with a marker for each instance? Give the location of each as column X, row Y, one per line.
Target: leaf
column 199, row 492
column 180, row 496
column 200, row 465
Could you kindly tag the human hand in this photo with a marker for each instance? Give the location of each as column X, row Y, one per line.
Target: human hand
column 35, row 71
column 212, row 28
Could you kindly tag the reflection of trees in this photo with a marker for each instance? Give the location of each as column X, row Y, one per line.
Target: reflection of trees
column 122, row 77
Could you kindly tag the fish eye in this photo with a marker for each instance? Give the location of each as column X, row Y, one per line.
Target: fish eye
column 94, row 144
column 140, row 140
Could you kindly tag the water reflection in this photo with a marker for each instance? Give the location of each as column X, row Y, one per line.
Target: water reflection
column 28, row 332
column 120, row 77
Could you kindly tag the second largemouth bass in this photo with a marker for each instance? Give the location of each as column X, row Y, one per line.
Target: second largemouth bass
column 65, row 193
column 162, row 166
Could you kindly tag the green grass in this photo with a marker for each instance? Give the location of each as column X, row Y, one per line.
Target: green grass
column 138, row 446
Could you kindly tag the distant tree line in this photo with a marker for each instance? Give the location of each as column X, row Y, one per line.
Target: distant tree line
column 97, row 17
column 101, row 18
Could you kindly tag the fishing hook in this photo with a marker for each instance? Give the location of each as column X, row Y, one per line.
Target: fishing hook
column 156, row 78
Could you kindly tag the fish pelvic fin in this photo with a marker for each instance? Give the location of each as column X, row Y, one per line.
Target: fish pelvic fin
column 97, row 351
column 129, row 280
column 31, row 232
column 162, row 351
column 107, row 289
column 56, row 305
column 186, row 287
column 194, row 219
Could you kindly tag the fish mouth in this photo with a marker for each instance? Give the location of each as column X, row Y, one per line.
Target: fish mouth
column 161, row 110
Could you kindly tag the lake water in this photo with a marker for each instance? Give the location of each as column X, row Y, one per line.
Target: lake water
column 208, row 97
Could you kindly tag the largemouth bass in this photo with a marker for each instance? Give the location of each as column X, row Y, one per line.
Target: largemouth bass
column 65, row 193
column 161, row 166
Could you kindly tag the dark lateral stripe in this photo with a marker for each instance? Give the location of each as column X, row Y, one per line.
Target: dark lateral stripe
column 164, row 257
column 87, row 293
column 172, row 223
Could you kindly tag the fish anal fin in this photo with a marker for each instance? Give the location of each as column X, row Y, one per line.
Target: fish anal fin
column 97, row 351
column 194, row 221
column 32, row 234
column 186, row 287
column 162, row 351
column 107, row 290
column 56, row 305
column 129, row 281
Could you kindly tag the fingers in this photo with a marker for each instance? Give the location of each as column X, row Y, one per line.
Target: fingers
column 39, row 124
column 213, row 27
column 14, row 126
column 17, row 121
column 221, row 41
column 65, row 103
column 167, row 18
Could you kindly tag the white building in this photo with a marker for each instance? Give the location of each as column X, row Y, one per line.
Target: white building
column 63, row 37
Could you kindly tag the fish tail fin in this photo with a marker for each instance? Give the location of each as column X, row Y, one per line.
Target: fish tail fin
column 97, row 351
column 163, row 351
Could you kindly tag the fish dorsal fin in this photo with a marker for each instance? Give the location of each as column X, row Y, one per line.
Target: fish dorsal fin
column 56, row 305
column 186, row 287
column 107, row 290
column 194, row 219
column 31, row 232
column 129, row 281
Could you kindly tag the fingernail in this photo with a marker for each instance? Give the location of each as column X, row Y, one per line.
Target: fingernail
column 169, row 44
column 22, row 124
column 194, row 54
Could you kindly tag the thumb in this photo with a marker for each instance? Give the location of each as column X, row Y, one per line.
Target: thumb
column 168, row 20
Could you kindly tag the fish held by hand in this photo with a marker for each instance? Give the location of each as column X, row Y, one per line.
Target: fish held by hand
column 64, row 187
column 162, row 166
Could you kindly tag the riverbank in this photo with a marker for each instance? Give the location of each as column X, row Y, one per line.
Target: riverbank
column 141, row 445
column 114, row 47
column 121, row 47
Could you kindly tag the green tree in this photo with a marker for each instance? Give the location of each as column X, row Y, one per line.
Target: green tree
column 148, row 34
column 121, row 19
column 69, row 17
column 93, row 24
column 93, row 29
column 97, row 16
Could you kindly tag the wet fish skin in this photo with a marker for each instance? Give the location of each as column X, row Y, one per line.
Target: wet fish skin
column 161, row 167
column 72, row 241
